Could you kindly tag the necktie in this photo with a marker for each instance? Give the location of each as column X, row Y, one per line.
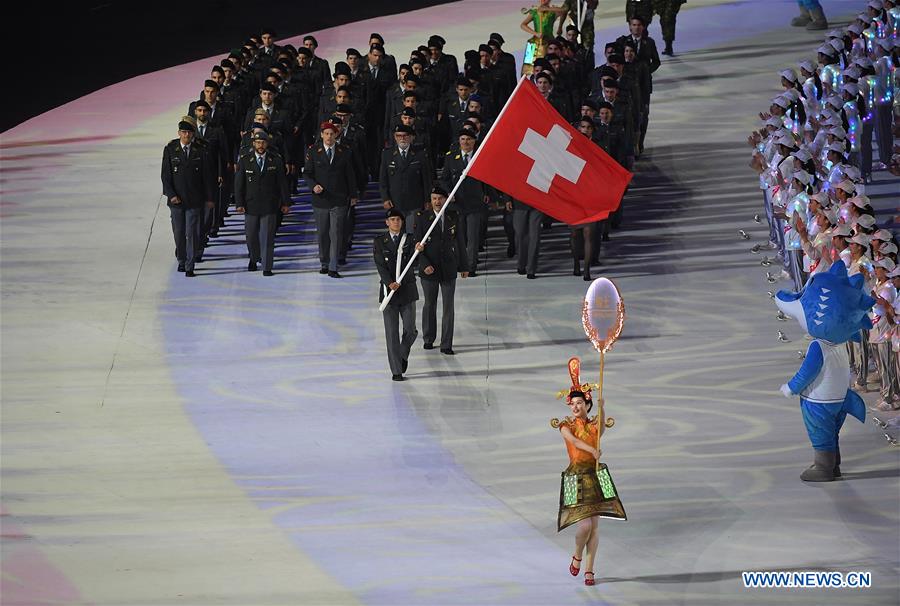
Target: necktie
column 330, row 153
column 374, row 73
column 462, row 106
column 403, row 154
column 466, row 158
column 259, row 162
column 396, row 240
column 185, row 150
column 202, row 131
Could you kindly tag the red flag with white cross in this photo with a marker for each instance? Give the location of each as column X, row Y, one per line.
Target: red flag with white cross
column 535, row 156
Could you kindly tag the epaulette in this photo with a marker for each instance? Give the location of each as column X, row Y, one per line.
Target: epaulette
column 448, row 153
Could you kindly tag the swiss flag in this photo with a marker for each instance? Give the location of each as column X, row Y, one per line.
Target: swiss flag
column 535, row 156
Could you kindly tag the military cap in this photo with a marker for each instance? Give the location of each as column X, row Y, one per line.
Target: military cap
column 201, row 103
column 227, row 64
column 342, row 69
column 609, row 83
column 345, row 89
column 436, row 41
column 211, row 84
column 408, row 111
column 571, row 28
column 605, row 105
column 588, row 102
column 275, row 75
column 185, row 125
column 497, row 38
column 352, row 52
column 394, row 213
column 328, row 125
column 545, row 74
column 403, row 129
column 257, row 125
column 343, row 108
column 268, row 87
column 410, row 93
column 440, row 191
column 261, row 112
column 468, row 132
column 304, row 51
column 261, row 135
column 484, row 48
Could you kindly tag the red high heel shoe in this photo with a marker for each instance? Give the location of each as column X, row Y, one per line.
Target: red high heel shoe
column 572, row 570
column 588, row 581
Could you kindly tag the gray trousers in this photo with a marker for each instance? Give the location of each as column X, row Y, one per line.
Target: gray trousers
column 883, row 119
column 330, row 234
column 186, row 229
column 398, row 347
column 409, row 220
column 429, row 311
column 260, row 233
column 887, row 368
column 471, row 224
column 527, row 225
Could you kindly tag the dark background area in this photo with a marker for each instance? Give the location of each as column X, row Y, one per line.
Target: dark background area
column 62, row 52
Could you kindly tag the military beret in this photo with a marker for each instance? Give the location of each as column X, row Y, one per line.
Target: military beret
column 588, row 102
column 328, row 125
column 408, row 111
column 260, row 135
column 471, row 56
column 440, row 191
column 412, row 78
column 201, row 103
column 352, row 52
column 475, row 97
column 217, row 68
column 546, row 75
column 410, row 93
column 609, row 83
column 261, row 112
column 227, row 64
column 436, row 42
column 484, row 48
column 463, row 81
column 345, row 89
column 542, row 62
column 343, row 108
column 571, row 28
column 394, row 213
column 258, row 126
column 605, row 105
column 185, row 125
column 211, row 84
column 468, row 132
column 304, row 51
column 403, row 129
column 497, row 38
column 342, row 69
column 275, row 75
column 415, row 61
column 585, row 120
column 606, row 71
column 475, row 115
column 311, row 39
column 268, row 87
column 611, row 45
column 616, row 58
column 378, row 47
column 376, row 36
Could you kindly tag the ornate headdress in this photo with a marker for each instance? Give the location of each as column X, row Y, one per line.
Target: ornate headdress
column 578, row 389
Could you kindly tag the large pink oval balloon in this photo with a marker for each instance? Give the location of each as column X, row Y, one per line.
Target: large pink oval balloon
column 603, row 314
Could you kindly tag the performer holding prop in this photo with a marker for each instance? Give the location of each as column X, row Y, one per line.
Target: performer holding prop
column 539, row 23
column 587, row 491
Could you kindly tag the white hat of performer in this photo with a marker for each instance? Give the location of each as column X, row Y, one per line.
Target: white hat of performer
column 841, row 230
column 807, row 66
column 847, row 186
column 860, row 201
column 861, row 239
column 885, row 262
column 866, row 221
column 882, row 235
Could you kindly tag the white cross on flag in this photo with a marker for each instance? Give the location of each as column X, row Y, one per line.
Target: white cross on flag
column 535, row 156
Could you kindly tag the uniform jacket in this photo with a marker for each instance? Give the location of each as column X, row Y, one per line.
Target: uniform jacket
column 470, row 195
column 192, row 179
column 647, row 54
column 338, row 178
column 385, row 255
column 261, row 192
column 444, row 249
column 406, row 183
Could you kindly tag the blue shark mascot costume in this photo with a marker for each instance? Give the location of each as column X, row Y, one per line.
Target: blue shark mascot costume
column 832, row 308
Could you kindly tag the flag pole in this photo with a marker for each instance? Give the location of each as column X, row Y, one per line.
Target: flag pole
column 459, row 181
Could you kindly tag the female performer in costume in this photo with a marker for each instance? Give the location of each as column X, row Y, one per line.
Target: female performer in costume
column 587, row 491
column 539, row 24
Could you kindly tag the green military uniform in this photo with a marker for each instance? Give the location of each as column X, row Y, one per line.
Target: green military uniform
column 667, row 11
column 587, row 28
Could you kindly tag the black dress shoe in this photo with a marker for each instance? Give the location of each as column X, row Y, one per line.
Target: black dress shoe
column 587, row 278
column 190, row 273
column 428, row 346
column 405, row 365
column 510, row 251
column 397, row 378
column 448, row 352
column 531, row 277
column 334, row 274
column 521, row 272
column 251, row 266
column 323, row 271
column 181, row 267
column 268, row 272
